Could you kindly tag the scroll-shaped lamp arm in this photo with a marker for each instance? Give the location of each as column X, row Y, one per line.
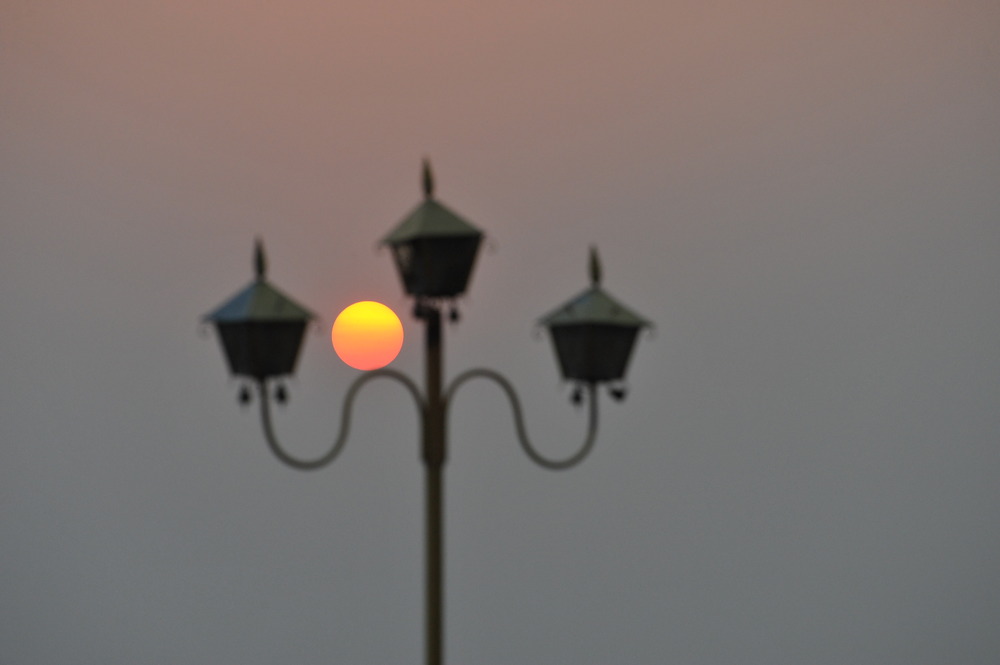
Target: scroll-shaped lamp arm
column 345, row 418
column 522, row 435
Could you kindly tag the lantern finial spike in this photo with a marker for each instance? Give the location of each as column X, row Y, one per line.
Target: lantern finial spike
column 595, row 267
column 259, row 260
column 428, row 179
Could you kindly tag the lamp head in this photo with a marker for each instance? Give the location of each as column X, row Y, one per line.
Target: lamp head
column 433, row 248
column 593, row 334
column 260, row 328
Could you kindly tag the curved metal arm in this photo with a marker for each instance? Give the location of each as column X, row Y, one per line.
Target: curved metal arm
column 345, row 419
column 522, row 435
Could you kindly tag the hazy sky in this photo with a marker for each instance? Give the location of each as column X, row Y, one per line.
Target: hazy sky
column 803, row 196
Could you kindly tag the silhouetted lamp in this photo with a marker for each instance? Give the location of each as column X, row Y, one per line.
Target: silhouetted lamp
column 260, row 328
column 433, row 248
column 593, row 334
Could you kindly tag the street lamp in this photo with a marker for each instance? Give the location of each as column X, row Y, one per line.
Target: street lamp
column 261, row 329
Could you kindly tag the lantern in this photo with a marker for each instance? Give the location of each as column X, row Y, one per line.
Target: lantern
column 593, row 334
column 433, row 248
column 260, row 328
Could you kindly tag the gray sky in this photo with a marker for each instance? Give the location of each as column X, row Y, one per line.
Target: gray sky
column 802, row 196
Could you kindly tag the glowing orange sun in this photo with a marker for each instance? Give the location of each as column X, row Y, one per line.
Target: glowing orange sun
column 367, row 335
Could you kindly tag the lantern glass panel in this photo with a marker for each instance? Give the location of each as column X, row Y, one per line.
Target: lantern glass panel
column 261, row 349
column 436, row 266
column 593, row 352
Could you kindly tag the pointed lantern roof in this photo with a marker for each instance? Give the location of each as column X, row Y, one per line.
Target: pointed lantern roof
column 259, row 301
column 430, row 219
column 594, row 306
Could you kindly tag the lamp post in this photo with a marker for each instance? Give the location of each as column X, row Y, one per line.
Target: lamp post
column 261, row 330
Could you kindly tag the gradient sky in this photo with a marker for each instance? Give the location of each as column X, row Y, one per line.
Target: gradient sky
column 803, row 196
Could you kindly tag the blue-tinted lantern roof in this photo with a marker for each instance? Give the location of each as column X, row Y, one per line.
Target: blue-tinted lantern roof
column 260, row 301
column 594, row 306
column 430, row 219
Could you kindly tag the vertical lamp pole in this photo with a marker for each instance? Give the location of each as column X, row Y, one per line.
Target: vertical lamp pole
column 434, row 250
column 434, row 454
